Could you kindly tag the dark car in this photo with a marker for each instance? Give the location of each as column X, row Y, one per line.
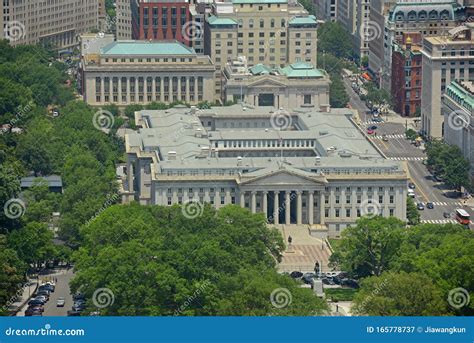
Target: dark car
column 73, row 313
column 373, row 127
column 447, row 214
column 308, row 278
column 33, row 312
column 411, row 185
column 430, row 205
column 296, row 275
column 35, row 302
column 328, row 281
column 36, row 308
column 80, row 296
column 420, row 206
column 350, row 283
column 48, row 287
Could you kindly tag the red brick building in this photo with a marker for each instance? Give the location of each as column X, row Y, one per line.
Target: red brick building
column 406, row 75
column 161, row 20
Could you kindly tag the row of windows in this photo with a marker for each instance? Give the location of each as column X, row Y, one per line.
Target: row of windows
column 266, row 143
column 167, row 98
column 348, row 214
column 337, row 199
column 147, row 60
column 358, row 189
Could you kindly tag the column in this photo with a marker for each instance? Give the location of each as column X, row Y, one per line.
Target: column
column 228, row 198
column 254, row 202
column 386, row 212
column 276, row 208
column 119, row 84
column 179, row 87
column 287, row 208
column 102, row 90
column 207, row 198
column 187, row 90
column 217, row 202
column 162, row 89
column 265, row 203
column 136, row 90
column 174, row 200
column 310, row 208
column 321, row 207
column 196, row 97
column 170, row 90
column 130, row 176
column 153, row 88
column 111, row 89
column 145, row 90
column 299, row 208
column 242, row 199
column 128, row 90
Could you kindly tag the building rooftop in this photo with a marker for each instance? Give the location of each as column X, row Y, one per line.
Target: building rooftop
column 152, row 48
column 178, row 140
column 463, row 93
column 303, row 20
column 259, row 1
column 302, row 70
column 215, row 21
column 295, row 70
column 51, row 180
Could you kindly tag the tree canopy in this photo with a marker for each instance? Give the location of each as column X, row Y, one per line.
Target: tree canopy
column 154, row 259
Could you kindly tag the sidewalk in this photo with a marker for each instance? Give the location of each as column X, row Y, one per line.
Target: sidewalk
column 24, row 295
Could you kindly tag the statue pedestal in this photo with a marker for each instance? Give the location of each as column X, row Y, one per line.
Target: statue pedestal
column 290, row 249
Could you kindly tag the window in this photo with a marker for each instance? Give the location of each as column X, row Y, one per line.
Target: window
column 348, row 212
column 307, row 99
column 262, row 23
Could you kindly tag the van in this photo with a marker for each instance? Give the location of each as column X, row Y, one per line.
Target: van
column 411, row 193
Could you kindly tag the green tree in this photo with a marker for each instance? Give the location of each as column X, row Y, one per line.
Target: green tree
column 338, row 96
column 413, row 215
column 112, row 108
column 334, row 39
column 399, row 294
column 364, row 62
column 33, row 243
column 131, row 109
column 368, row 247
column 158, row 261
column 411, row 134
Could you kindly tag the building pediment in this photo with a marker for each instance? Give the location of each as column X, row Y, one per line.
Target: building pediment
column 267, row 82
column 284, row 178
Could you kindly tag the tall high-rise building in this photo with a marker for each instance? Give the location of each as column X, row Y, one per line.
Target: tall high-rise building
column 427, row 17
column 327, row 9
column 445, row 59
column 53, row 23
column 155, row 20
column 271, row 32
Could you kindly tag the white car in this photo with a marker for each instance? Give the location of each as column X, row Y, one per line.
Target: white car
column 60, row 302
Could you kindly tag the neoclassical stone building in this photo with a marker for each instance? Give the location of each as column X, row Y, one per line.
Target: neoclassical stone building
column 140, row 72
column 298, row 167
column 296, row 85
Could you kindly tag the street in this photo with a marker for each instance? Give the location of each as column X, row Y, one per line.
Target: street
column 397, row 147
column 63, row 277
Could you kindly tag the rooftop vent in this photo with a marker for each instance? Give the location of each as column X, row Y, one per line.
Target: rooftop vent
column 317, row 160
column 345, row 153
column 323, row 133
column 172, row 155
column 239, row 160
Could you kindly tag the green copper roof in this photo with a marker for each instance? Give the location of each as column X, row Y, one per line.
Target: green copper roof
column 213, row 20
column 147, row 48
column 301, row 70
column 260, row 69
column 259, row 1
column 462, row 96
column 308, row 20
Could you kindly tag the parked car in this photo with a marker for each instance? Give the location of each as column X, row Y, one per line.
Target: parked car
column 37, row 308
column 370, row 132
column 60, row 302
column 36, row 301
column 296, row 275
column 48, row 287
column 373, row 127
column 420, row 206
column 78, row 307
column 411, row 185
column 308, row 278
column 80, row 296
column 430, row 205
column 32, row 312
column 328, row 281
column 350, row 283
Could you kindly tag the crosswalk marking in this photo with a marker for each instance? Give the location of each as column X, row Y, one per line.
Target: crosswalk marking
column 444, row 203
column 388, row 136
column 439, row 221
column 407, row 158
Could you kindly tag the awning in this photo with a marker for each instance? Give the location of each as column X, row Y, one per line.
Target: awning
column 366, row 76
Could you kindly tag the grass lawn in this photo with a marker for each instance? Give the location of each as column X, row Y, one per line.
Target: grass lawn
column 340, row 294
